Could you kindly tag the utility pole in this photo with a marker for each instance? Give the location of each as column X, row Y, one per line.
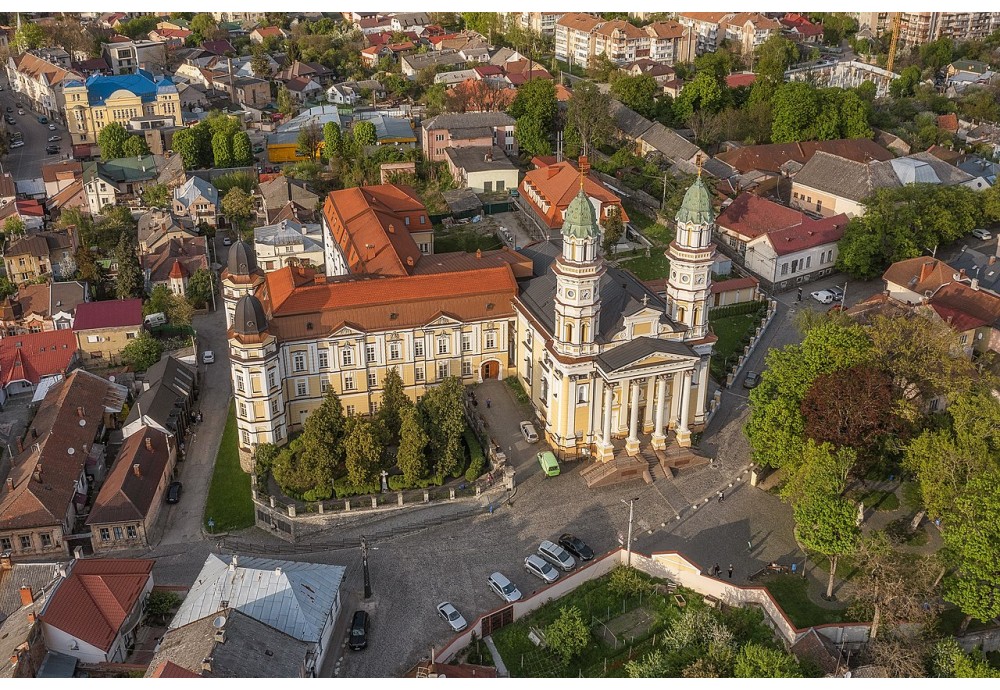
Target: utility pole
column 628, row 543
column 364, row 567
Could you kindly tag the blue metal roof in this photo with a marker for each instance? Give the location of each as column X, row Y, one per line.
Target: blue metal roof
column 99, row 87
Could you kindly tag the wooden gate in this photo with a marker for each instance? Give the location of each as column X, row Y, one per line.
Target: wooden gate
column 495, row 621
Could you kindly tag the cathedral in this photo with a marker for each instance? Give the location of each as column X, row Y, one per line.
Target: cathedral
column 607, row 364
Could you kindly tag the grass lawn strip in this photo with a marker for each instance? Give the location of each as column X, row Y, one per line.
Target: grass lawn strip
column 733, row 332
column 229, row 502
column 790, row 591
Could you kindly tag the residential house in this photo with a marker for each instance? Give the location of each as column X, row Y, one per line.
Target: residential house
column 174, row 262
column 131, row 57
column 750, row 30
column 303, row 89
column 575, row 39
column 548, row 191
column 72, row 197
column 650, row 137
column 192, row 96
column 283, row 145
column 30, row 359
column 48, row 482
column 621, row 42
column 118, row 180
column 93, row 613
column 103, row 329
column 172, row 38
column 390, row 130
column 243, row 647
column 980, row 168
column 8, row 189
column 967, row 70
column 41, row 307
column 774, row 159
column 41, row 82
column 661, row 73
column 401, row 21
column 412, row 64
column 198, row 200
column 157, row 227
column 126, row 511
column 783, row 247
column 458, row 130
column 42, row 253
column 220, row 47
column 166, row 401
column 797, row 27
column 262, row 33
column 483, row 169
column 92, row 66
column 285, row 196
column 911, row 281
column 670, row 42
column 986, row 134
column 303, row 600
column 24, row 589
column 706, row 29
column 350, row 92
column 289, row 243
column 312, row 70
column 29, row 211
column 99, row 101
column 831, row 185
column 375, row 230
column 539, row 22
column 59, row 176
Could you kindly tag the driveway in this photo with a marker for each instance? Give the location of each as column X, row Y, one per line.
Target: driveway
column 184, row 519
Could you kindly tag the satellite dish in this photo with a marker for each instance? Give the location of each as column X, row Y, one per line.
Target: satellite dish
column 83, row 422
column 219, row 622
column 111, row 378
column 71, row 450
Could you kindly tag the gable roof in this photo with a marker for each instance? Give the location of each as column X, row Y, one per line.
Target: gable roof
column 965, row 308
column 770, row 157
column 182, row 256
column 126, row 495
column 921, row 274
column 856, row 181
column 63, row 170
column 669, row 143
column 295, row 598
column 115, row 313
column 42, row 70
column 579, row 21
column 558, row 184
column 193, row 188
column 33, row 356
column 469, row 121
column 96, row 598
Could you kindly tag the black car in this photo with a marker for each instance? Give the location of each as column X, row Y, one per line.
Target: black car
column 358, row 639
column 577, row 547
column 752, row 380
column 52, row 148
column 174, row 492
column 9, row 109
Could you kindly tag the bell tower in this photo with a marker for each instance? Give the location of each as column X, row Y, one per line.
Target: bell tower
column 240, row 277
column 691, row 256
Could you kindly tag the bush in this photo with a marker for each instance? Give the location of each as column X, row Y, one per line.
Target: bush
column 318, row 494
column 517, row 389
column 626, row 581
column 567, row 635
column 345, row 489
column 477, row 461
column 397, row 482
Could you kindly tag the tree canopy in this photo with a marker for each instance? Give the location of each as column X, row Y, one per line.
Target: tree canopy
column 534, row 108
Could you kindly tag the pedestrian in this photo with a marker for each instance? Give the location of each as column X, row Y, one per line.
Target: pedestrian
column 800, row 294
column 730, row 571
column 722, row 497
column 749, row 546
column 488, row 403
column 716, row 570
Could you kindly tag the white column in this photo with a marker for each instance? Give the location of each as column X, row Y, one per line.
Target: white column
column 596, row 410
column 659, row 439
column 633, row 422
column 675, row 398
column 609, row 403
column 650, row 391
column 702, row 398
column 683, row 432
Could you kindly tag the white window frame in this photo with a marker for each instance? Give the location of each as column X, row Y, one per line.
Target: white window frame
column 347, row 356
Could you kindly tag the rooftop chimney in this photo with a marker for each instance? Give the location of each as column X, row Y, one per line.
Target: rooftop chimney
column 584, row 165
column 974, row 284
column 6, row 563
column 392, row 229
column 10, row 483
column 233, row 563
column 149, row 444
column 27, row 598
column 220, row 636
column 78, row 552
column 31, row 616
column 479, row 253
column 137, row 470
column 925, row 270
column 79, row 411
column 20, row 445
column 38, row 473
column 206, row 664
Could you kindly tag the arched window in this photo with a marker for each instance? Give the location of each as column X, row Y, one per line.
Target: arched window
column 569, row 332
column 680, row 314
column 697, row 316
column 584, row 332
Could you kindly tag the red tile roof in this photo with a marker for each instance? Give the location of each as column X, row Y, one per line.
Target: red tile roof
column 734, row 81
column 268, row 31
column 666, row 29
column 115, row 313
column 126, row 495
column 558, row 184
column 801, row 24
column 814, row 234
column 948, row 122
column 97, row 597
column 770, row 157
column 64, row 170
column 32, row 356
column 964, row 308
column 169, row 669
column 920, row 274
column 788, row 230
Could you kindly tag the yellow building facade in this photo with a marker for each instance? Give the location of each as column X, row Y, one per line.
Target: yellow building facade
column 135, row 101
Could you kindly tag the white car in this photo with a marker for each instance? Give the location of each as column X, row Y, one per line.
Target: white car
column 16, row 144
column 823, row 296
column 451, row 615
column 982, row 234
column 504, row 588
column 20, row 112
column 52, row 127
column 207, row 357
column 227, row 241
column 55, row 137
column 541, row 568
column 529, row 433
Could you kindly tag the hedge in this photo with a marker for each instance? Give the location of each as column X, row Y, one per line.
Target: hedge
column 737, row 309
column 477, row 461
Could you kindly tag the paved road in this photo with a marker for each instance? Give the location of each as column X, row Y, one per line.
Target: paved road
column 26, row 161
column 184, row 519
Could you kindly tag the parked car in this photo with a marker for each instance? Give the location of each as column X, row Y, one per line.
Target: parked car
column 20, row 112
column 52, row 128
column 452, row 616
column 174, row 492
column 207, row 357
column 529, row 433
column 577, row 547
column 556, row 555
column 838, row 293
column 41, row 118
column 549, row 464
column 16, row 144
column 9, row 109
column 52, row 148
column 358, row 639
column 504, row 588
column 982, row 234
column 227, row 241
column 55, row 137
column 541, row 568
column 752, row 380
column 822, row 296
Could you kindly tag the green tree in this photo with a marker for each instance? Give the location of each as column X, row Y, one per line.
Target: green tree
column 827, row 525
column 309, row 139
column 587, row 115
column 949, row 660
column 156, row 196
column 991, row 204
column 135, row 146
column 706, row 92
column 757, row 661
column 242, row 149
column 28, row 37
column 652, row 665
column 613, row 229
column 443, row 408
column 112, row 140
column 13, row 228
column 185, row 143
column 286, row 106
column 394, row 401
column 774, row 56
column 204, row 27
column 907, row 82
column 568, row 635
column 7, row 288
column 222, row 150
column 364, row 133
column 143, row 352
column 87, row 268
column 200, row 288
column 637, row 92
column 854, row 114
column 160, row 604
column 129, row 281
column 796, row 106
column 534, row 108
column 237, row 206
column 362, row 451
column 411, row 455
column 161, row 300
column 331, row 140
column 259, row 63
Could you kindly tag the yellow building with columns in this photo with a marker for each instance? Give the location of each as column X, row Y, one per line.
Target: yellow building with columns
column 136, row 101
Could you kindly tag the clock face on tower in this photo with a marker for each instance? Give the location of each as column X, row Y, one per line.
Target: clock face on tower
column 701, row 280
column 586, row 294
column 685, row 278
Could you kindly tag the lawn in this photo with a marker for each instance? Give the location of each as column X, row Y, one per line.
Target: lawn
column 790, row 593
column 656, row 233
column 652, row 267
column 463, row 240
column 879, row 500
column 229, row 503
column 734, row 333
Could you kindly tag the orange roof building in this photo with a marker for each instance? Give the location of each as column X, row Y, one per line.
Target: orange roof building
column 548, row 190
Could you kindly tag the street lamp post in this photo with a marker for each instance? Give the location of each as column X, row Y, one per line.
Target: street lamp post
column 364, row 567
column 628, row 543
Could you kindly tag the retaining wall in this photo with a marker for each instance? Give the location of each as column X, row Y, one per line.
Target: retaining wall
column 772, row 310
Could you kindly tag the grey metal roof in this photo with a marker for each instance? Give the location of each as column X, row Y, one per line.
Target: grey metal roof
column 196, row 187
column 474, row 158
column 629, row 122
column 623, row 355
column 57, row 665
column 977, row 265
column 669, row 143
column 856, row 181
column 290, row 232
column 168, row 382
column 295, row 598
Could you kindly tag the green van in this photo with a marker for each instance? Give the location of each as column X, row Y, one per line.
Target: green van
column 549, row 464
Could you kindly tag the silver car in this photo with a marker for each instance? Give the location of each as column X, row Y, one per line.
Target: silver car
column 556, row 555
column 529, row 433
column 504, row 588
column 541, row 568
column 451, row 616
column 822, row 296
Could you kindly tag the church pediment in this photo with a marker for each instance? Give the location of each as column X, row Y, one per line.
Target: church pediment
column 645, row 353
column 442, row 319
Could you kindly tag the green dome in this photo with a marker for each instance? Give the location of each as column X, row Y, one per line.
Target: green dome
column 580, row 220
column 697, row 205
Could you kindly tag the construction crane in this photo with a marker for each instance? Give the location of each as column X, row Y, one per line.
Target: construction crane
column 894, row 42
